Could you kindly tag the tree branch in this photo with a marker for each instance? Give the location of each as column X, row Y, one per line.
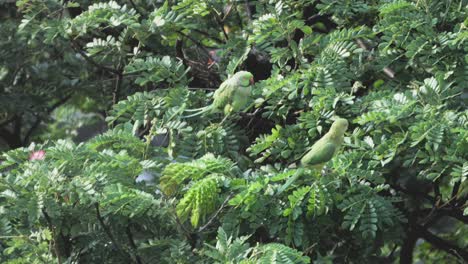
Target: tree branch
column 108, row 232
column 406, row 253
column 77, row 48
column 455, row 189
column 136, row 8
column 179, row 50
column 116, row 91
column 207, row 35
column 407, row 249
column 417, row 194
column 128, row 231
column 6, row 122
column 36, row 123
column 444, row 210
column 441, row 244
column 248, row 11
column 38, row 120
column 196, row 42
column 54, row 235
column 389, row 72
column 13, row 140
column 452, row 212
column 220, row 23
column 213, row 217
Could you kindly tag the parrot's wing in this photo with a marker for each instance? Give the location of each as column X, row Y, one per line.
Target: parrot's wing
column 223, row 95
column 319, row 154
column 196, row 109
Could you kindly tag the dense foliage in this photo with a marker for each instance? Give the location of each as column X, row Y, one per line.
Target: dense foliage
column 161, row 188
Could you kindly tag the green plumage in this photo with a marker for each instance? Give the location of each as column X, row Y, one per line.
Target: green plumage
column 322, row 151
column 232, row 96
column 325, row 148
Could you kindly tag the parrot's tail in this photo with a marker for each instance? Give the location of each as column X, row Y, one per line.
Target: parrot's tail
column 196, row 109
column 290, row 181
column 200, row 111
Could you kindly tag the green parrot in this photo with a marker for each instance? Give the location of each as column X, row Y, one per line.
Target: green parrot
column 231, row 96
column 322, row 151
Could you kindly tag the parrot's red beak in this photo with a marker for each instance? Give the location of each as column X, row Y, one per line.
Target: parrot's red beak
column 252, row 81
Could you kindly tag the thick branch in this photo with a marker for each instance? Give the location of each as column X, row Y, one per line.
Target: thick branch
column 13, row 141
column 54, row 235
column 417, row 194
column 441, row 244
column 406, row 253
column 128, row 231
column 407, row 249
column 35, row 125
column 446, row 210
column 6, row 122
column 248, row 11
column 17, row 125
column 452, row 212
column 455, row 189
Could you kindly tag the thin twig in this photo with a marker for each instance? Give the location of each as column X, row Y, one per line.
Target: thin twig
column 202, row 88
column 221, row 24
column 116, row 91
column 390, row 255
column 186, row 231
column 108, row 231
column 227, row 12
column 196, row 42
column 136, row 8
column 206, row 34
column 38, row 120
column 216, row 214
column 90, row 60
column 389, row 72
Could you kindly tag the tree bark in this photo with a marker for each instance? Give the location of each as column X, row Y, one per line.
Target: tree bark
column 406, row 253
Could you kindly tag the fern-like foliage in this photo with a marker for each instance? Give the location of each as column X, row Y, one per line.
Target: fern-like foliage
column 320, row 200
column 109, row 13
column 368, row 213
column 157, row 70
column 278, row 253
column 236, row 250
column 175, row 174
column 395, row 69
column 273, row 146
column 124, row 201
column 200, row 200
column 228, row 249
column 118, row 140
